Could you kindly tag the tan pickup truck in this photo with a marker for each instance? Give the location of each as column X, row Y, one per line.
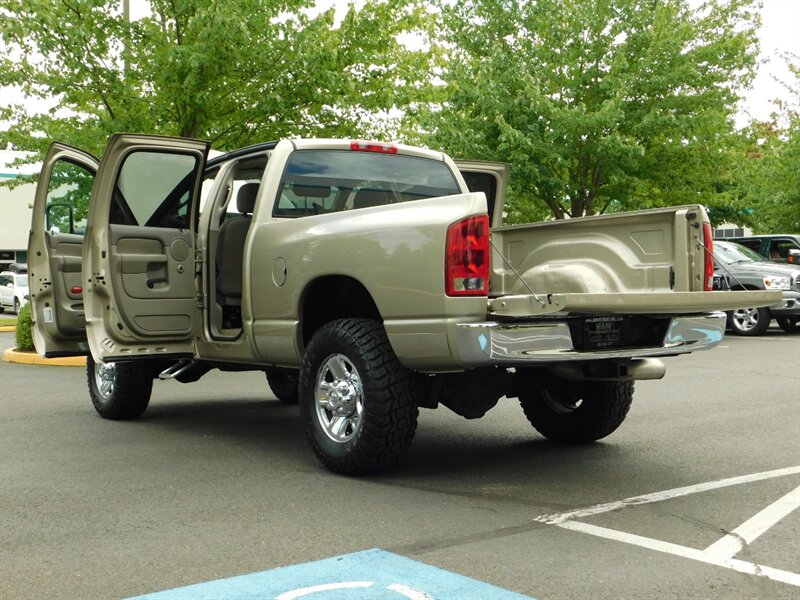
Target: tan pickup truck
column 366, row 280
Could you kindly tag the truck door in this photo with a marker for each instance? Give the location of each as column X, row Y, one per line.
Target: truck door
column 489, row 178
column 54, row 251
column 139, row 253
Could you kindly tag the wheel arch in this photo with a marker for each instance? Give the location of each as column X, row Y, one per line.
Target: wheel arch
column 334, row 297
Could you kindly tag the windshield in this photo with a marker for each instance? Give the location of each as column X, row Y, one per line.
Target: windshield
column 729, row 252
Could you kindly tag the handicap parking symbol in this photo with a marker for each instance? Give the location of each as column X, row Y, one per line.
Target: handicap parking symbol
column 368, row 575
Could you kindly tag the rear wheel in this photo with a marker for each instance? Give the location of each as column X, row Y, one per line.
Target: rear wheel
column 119, row 390
column 358, row 402
column 749, row 321
column 577, row 411
column 16, row 306
column 284, row 385
column 789, row 324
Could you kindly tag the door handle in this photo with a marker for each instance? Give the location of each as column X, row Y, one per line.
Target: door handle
column 155, row 280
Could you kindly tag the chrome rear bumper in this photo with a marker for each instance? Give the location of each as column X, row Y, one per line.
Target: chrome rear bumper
column 531, row 342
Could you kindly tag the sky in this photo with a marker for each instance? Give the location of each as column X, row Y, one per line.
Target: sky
column 779, row 33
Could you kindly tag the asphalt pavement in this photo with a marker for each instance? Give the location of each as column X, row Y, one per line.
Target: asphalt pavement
column 217, row 480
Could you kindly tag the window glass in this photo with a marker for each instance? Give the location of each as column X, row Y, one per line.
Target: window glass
column 321, row 181
column 68, row 193
column 154, row 189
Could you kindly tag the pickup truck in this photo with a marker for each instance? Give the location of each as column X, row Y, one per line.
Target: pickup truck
column 367, row 280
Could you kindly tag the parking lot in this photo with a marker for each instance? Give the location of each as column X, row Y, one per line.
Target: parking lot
column 695, row 496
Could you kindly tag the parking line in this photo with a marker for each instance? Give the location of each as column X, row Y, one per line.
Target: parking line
column 719, row 553
column 741, row 566
column 598, row 509
column 748, row 531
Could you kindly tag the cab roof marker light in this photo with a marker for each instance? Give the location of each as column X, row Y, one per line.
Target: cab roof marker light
column 360, row 146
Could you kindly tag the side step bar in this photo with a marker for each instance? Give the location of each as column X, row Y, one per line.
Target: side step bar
column 177, row 369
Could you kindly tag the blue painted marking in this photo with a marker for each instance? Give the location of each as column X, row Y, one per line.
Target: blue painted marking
column 483, row 341
column 371, row 575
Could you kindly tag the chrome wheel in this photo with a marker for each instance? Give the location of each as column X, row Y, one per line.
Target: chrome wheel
column 104, row 377
column 746, row 318
column 339, row 395
column 749, row 321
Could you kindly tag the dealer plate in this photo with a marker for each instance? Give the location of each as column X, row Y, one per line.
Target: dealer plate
column 602, row 332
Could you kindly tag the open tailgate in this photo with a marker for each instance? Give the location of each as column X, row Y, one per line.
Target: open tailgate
column 655, row 303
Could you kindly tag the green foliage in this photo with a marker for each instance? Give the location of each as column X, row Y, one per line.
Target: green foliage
column 768, row 178
column 232, row 71
column 23, row 333
column 599, row 105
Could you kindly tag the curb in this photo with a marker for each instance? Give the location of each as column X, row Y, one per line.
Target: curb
column 8, row 328
column 31, row 358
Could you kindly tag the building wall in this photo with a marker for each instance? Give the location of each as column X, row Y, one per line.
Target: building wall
column 16, row 208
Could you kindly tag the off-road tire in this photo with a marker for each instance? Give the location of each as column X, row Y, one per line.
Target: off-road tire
column 577, row 412
column 284, row 384
column 749, row 321
column 120, row 390
column 381, row 430
column 789, row 324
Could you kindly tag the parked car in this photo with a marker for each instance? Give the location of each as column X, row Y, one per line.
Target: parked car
column 737, row 267
column 13, row 290
column 781, row 248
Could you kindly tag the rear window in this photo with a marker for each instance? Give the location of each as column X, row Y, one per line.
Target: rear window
column 323, row 181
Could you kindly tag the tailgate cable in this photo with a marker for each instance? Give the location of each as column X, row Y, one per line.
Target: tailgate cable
column 510, row 266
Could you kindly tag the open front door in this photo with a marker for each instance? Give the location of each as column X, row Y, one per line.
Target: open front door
column 491, row 179
column 54, row 251
column 139, row 255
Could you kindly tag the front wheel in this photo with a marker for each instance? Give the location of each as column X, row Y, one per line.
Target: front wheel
column 789, row 324
column 749, row 321
column 358, row 402
column 119, row 390
column 577, row 411
column 16, row 306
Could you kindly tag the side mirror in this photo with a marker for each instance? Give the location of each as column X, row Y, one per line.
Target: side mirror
column 793, row 258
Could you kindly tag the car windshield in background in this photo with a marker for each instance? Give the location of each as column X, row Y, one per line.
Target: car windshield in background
column 729, row 252
column 323, row 181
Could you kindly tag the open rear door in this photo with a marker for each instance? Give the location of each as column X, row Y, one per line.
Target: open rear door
column 54, row 251
column 139, row 255
column 491, row 179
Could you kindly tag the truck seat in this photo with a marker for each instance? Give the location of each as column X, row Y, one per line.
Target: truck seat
column 367, row 198
column 230, row 248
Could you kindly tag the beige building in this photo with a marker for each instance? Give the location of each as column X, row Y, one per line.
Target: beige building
column 15, row 209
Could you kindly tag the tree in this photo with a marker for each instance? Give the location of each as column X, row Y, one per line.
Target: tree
column 768, row 177
column 231, row 71
column 599, row 105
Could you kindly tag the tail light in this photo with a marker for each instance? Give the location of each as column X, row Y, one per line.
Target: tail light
column 467, row 257
column 708, row 279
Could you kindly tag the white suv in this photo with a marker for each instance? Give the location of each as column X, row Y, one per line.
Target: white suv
column 13, row 290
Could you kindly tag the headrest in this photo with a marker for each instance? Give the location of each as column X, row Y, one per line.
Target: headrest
column 246, row 198
column 367, row 198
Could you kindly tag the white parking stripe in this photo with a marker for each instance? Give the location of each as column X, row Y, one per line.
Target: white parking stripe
column 731, row 563
column 598, row 509
column 747, row 532
column 720, row 553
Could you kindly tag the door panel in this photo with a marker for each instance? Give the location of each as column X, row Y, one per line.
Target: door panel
column 140, row 248
column 155, row 278
column 54, row 251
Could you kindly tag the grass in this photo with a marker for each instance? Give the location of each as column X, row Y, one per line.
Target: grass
column 4, row 320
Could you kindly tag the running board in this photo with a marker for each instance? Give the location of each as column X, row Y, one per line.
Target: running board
column 178, row 368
